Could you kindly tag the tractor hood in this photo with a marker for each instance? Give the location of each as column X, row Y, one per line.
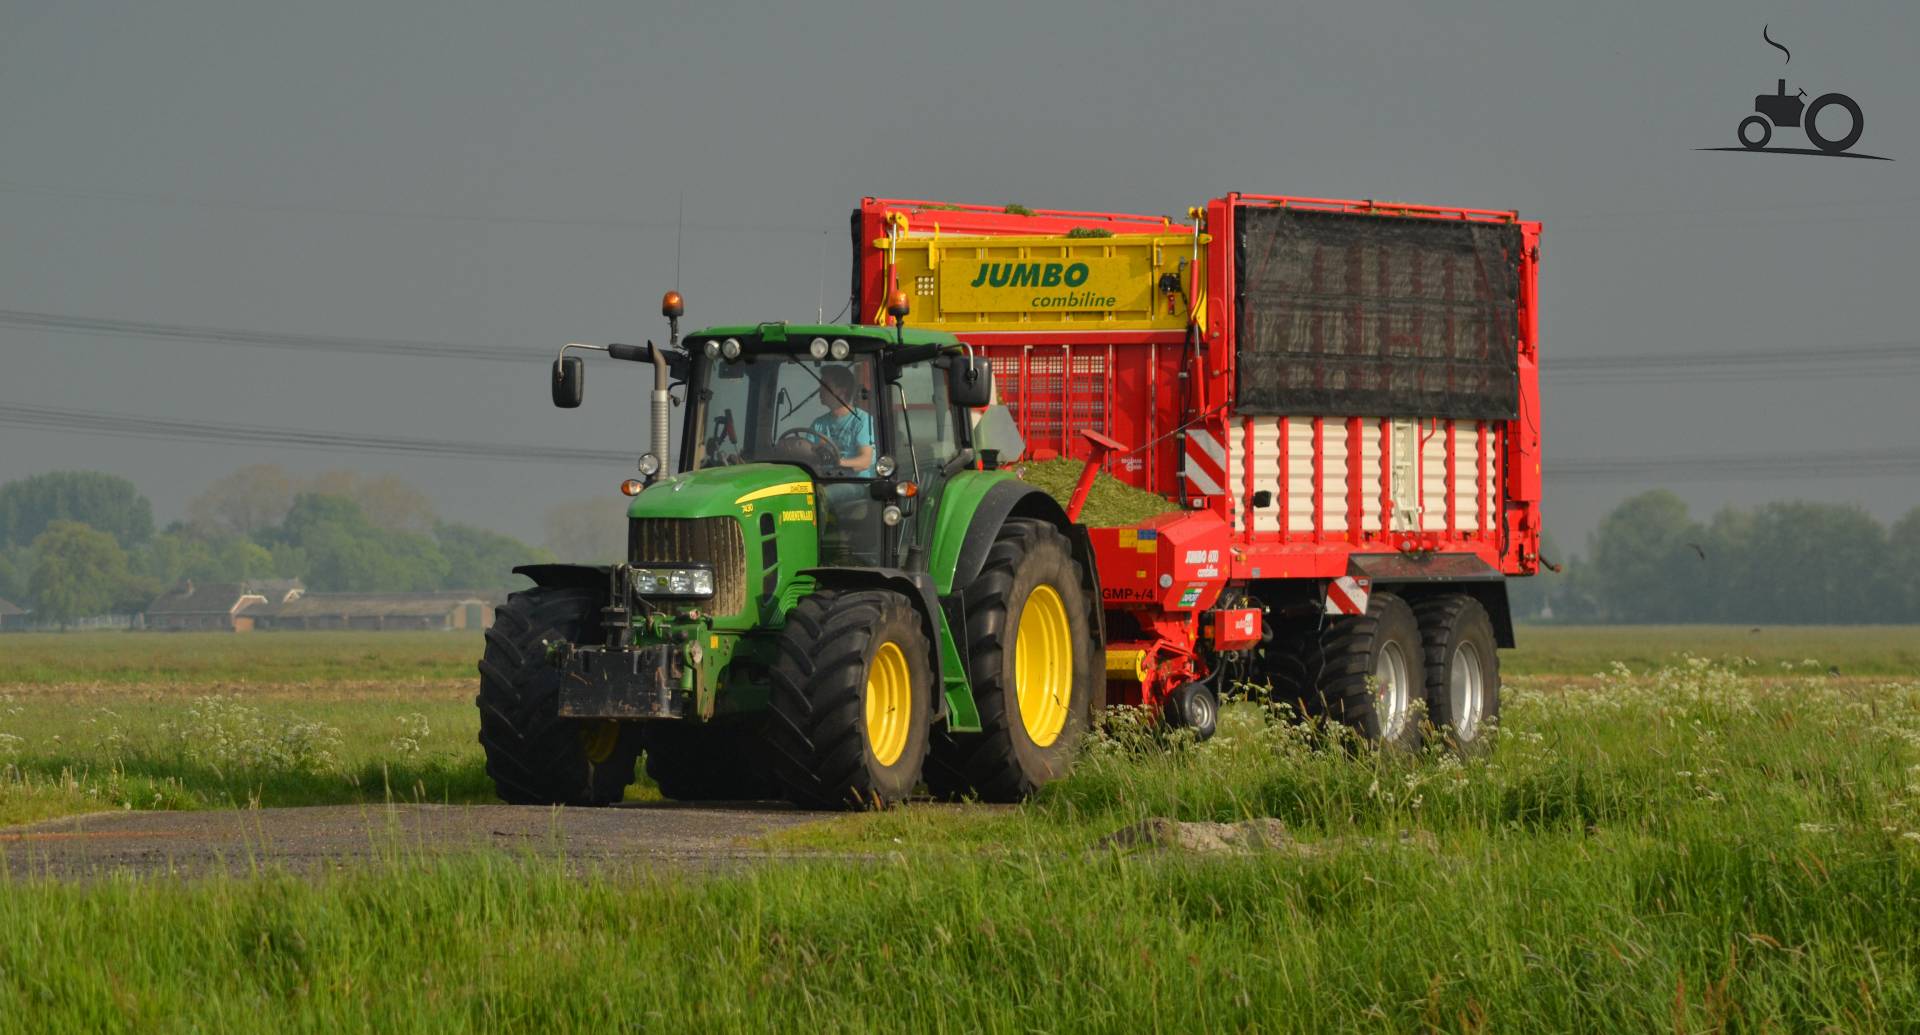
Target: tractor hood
column 712, row 491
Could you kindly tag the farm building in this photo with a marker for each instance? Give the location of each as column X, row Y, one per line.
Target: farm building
column 378, row 611
column 12, row 616
column 219, row 605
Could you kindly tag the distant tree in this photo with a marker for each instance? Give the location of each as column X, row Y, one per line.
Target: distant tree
column 174, row 556
column 77, row 571
column 1903, row 567
column 105, row 502
column 248, row 500
column 477, row 558
column 344, row 552
column 14, row 565
column 1815, row 563
column 592, row 530
column 386, row 502
column 1644, row 554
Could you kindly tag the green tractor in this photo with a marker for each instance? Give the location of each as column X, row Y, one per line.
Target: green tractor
column 835, row 600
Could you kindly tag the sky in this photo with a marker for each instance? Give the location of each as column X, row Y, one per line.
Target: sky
column 511, row 175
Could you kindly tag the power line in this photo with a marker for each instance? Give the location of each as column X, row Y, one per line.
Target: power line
column 125, row 426
column 1742, row 365
column 64, row 324
column 294, row 208
column 1747, row 467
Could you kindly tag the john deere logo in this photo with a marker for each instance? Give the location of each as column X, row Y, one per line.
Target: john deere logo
column 1035, row 285
column 1030, row 274
column 1832, row 122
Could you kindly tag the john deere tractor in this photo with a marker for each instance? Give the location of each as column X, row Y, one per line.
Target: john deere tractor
column 836, row 599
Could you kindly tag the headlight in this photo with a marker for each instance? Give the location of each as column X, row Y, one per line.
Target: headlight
column 649, row 464
column 884, row 467
column 840, row 348
column 890, row 515
column 673, row 582
column 730, row 348
column 817, row 348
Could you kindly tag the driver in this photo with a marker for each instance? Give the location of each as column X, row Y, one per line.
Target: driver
column 849, row 428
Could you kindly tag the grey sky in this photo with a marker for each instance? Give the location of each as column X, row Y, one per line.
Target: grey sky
column 437, row 172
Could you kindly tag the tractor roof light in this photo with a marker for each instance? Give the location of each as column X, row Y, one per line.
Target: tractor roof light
column 712, row 348
column 817, row 348
column 730, row 349
column 840, row 348
column 671, row 305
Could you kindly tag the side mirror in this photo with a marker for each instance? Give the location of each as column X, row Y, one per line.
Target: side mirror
column 569, row 380
column 971, row 382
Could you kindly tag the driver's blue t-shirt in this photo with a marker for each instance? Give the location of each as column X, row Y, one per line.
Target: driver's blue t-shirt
column 850, row 433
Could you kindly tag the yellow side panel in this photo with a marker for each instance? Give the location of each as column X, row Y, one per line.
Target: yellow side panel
column 962, row 284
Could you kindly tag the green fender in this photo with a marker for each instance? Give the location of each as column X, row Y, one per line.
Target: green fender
column 974, row 505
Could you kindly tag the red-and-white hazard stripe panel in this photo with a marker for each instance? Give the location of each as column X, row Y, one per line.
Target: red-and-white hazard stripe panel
column 1206, row 463
column 1347, row 595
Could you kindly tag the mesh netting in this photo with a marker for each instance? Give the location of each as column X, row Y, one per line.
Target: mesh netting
column 1380, row 316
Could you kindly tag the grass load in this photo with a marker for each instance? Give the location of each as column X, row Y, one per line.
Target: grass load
column 1112, row 501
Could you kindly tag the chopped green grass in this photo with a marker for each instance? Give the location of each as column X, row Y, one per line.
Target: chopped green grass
column 1111, row 501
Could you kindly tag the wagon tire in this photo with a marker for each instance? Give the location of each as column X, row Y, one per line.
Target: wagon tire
column 1031, row 596
column 850, row 701
column 1462, row 677
column 1364, row 672
column 534, row 755
column 1194, row 706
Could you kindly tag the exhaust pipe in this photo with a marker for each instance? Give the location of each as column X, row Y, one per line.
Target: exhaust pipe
column 662, row 403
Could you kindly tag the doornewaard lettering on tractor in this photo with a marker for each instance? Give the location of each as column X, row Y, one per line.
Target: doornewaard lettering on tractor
column 1026, row 285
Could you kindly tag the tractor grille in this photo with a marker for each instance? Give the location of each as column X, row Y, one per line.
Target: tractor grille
column 710, row 540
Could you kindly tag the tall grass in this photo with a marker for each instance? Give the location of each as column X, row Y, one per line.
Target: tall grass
column 1705, row 846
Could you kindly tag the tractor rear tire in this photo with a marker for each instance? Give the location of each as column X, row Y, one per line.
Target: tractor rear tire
column 708, row 762
column 1363, row 671
column 534, row 755
column 851, row 701
column 1462, row 671
column 1033, row 664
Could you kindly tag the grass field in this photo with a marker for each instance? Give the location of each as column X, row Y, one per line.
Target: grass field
column 1688, row 844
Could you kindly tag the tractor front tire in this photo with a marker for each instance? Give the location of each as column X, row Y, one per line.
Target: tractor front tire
column 534, row 755
column 851, row 700
column 1033, row 663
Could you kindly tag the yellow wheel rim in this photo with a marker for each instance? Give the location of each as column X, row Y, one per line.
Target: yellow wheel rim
column 889, row 703
column 1043, row 665
column 598, row 741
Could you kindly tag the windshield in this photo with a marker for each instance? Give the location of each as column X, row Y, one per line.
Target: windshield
column 788, row 408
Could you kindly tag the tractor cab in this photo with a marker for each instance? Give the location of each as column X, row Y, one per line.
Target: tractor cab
column 878, row 420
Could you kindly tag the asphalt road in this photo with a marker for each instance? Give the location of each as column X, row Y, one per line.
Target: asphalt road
column 326, row 837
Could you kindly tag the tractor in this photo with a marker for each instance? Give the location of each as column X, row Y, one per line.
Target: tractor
column 837, row 597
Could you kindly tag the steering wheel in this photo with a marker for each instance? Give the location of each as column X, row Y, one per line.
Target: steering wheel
column 810, row 444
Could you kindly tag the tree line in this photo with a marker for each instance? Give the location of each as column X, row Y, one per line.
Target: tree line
column 80, row 543
column 1787, row 563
